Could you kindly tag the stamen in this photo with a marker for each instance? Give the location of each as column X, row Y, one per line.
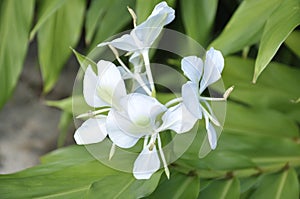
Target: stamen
column 225, row 96
column 173, row 101
column 133, row 15
column 92, row 113
column 162, row 155
column 148, row 71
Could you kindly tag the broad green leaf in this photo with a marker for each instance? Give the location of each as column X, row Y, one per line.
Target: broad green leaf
column 245, row 26
column 65, row 121
column 61, row 30
column 45, row 10
column 278, row 85
column 248, row 183
column 280, row 185
column 115, row 18
column 95, row 12
column 293, row 42
column 144, row 8
column 278, row 27
column 222, row 189
column 123, row 186
column 178, row 186
column 15, row 21
column 198, row 18
column 247, row 120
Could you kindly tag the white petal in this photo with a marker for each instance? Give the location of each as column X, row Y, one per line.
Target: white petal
column 117, row 135
column 90, row 82
column 137, row 60
column 91, row 131
column 126, row 43
column 212, row 136
column 146, row 164
column 163, row 8
column 179, row 119
column 192, row 67
column 190, row 98
column 111, row 86
column 142, row 109
column 213, row 66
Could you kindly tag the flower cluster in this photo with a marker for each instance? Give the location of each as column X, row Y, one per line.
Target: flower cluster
column 128, row 116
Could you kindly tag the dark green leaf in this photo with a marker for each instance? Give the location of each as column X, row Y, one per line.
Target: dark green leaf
column 61, row 30
column 15, row 21
column 279, row 185
column 222, row 189
column 293, row 42
column 278, row 27
column 123, row 186
column 198, row 17
column 245, row 26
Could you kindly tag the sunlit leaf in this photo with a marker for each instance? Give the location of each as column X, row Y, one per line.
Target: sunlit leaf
column 15, row 22
column 222, row 189
column 293, row 42
column 61, row 30
column 280, row 24
column 198, row 17
column 280, row 185
column 245, row 27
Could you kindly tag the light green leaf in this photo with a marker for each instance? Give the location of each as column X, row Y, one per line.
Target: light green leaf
column 222, row 189
column 178, row 186
column 245, row 26
column 144, row 8
column 198, row 18
column 61, row 30
column 45, row 10
column 84, row 61
column 278, row 27
column 293, row 42
column 278, row 186
column 15, row 21
column 123, row 186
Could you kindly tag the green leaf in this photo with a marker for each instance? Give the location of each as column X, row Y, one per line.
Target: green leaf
column 115, row 18
column 84, row 61
column 123, row 186
column 15, row 21
column 278, row 27
column 245, row 26
column 222, row 189
column 293, row 42
column 61, row 30
column 45, row 10
column 278, row 186
column 247, row 120
column 278, row 85
column 144, row 8
column 198, row 18
column 178, row 186
column 66, row 119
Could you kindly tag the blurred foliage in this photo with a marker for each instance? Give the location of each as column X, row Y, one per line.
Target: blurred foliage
column 258, row 155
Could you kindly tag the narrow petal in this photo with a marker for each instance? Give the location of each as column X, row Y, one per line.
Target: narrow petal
column 146, row 164
column 91, row 131
column 142, row 109
column 213, row 67
column 117, row 135
column 190, row 98
column 90, row 82
column 137, row 60
column 126, row 43
column 211, row 133
column 178, row 119
column 111, row 86
column 192, row 67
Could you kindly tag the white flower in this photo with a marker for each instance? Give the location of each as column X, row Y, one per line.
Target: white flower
column 145, row 117
column 102, row 90
column 202, row 75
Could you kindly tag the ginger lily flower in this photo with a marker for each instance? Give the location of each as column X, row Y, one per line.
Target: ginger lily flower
column 202, row 75
column 141, row 119
column 102, row 90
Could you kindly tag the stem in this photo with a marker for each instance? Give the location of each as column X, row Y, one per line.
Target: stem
column 162, row 155
column 148, row 71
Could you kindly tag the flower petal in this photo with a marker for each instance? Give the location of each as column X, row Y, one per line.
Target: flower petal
column 111, row 86
column 126, row 43
column 213, row 66
column 192, row 67
column 190, row 98
column 90, row 82
column 91, row 131
column 178, row 119
column 211, row 133
column 116, row 134
column 146, row 164
column 142, row 109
